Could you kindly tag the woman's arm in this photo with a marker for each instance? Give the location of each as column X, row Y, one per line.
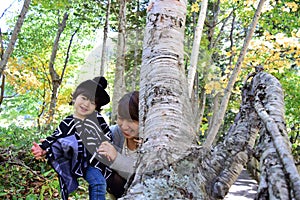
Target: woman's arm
column 124, row 165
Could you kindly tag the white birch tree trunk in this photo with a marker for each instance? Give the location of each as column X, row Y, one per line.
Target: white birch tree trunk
column 165, row 108
column 119, row 82
column 196, row 46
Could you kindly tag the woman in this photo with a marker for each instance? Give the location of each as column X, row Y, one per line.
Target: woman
column 125, row 137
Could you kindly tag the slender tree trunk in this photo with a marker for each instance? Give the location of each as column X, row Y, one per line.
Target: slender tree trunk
column 2, row 47
column 136, row 63
column 14, row 37
column 220, row 115
column 201, row 110
column 2, row 86
column 10, row 47
column 196, row 46
column 105, row 31
column 215, row 107
column 55, row 78
column 207, row 64
column 119, row 82
column 136, row 50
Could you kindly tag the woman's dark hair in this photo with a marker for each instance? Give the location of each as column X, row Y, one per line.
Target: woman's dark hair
column 128, row 107
column 93, row 90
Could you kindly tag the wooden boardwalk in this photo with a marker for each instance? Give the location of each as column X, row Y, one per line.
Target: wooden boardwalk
column 244, row 188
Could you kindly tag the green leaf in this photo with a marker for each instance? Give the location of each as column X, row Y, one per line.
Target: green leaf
column 31, row 197
column 3, row 194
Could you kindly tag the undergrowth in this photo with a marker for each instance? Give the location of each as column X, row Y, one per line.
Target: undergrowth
column 23, row 177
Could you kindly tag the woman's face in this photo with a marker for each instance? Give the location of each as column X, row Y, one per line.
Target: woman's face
column 129, row 128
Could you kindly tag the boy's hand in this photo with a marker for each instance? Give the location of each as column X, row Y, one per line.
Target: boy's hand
column 108, row 150
column 37, row 151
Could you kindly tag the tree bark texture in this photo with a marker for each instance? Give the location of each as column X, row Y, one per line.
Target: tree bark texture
column 14, row 37
column 208, row 173
column 164, row 104
column 279, row 176
column 163, row 83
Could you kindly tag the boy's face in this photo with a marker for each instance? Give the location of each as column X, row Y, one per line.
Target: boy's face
column 83, row 107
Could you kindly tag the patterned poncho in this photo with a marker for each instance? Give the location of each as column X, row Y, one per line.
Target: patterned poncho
column 73, row 145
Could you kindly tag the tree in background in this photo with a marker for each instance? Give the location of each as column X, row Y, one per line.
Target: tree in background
column 119, row 82
column 43, row 46
column 10, row 47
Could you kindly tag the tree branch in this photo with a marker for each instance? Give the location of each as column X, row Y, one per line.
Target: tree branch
column 14, row 36
column 227, row 92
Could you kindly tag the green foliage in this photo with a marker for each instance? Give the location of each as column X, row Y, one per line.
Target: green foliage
column 19, row 109
column 28, row 79
column 290, row 80
column 23, row 177
column 282, row 18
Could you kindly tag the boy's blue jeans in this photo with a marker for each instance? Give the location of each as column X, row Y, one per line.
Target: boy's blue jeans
column 97, row 183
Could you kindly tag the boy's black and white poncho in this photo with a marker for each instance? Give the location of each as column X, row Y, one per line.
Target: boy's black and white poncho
column 73, row 146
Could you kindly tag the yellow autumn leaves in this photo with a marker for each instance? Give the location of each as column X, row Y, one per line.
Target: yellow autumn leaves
column 18, row 75
column 288, row 6
column 195, row 6
column 27, row 77
column 277, row 52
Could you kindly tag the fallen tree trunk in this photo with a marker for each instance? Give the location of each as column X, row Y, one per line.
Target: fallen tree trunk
column 203, row 173
column 279, row 176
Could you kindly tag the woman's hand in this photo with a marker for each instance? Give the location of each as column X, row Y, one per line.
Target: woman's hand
column 37, row 151
column 108, row 150
column 139, row 141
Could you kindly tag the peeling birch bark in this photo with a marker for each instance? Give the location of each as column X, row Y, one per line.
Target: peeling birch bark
column 279, row 173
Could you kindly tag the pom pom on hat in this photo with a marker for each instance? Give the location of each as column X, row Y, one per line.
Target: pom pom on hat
column 101, row 80
column 100, row 91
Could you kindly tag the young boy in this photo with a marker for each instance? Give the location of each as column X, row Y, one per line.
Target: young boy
column 72, row 148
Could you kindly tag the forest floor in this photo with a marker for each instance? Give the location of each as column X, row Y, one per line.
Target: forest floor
column 244, row 188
